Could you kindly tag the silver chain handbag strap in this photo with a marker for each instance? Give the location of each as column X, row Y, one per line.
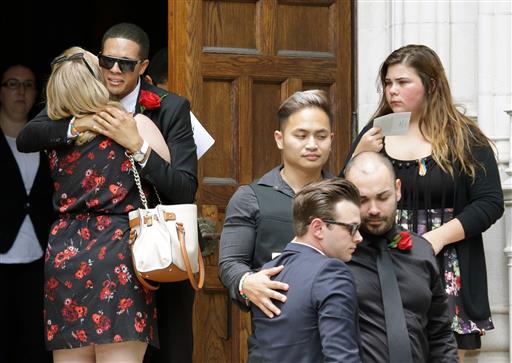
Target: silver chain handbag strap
column 136, row 176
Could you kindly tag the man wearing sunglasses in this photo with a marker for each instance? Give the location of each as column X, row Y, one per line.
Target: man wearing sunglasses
column 319, row 321
column 124, row 59
column 403, row 311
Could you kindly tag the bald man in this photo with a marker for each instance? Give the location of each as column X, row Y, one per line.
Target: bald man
column 427, row 336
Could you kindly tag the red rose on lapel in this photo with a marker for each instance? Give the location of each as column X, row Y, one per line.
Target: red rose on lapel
column 402, row 241
column 149, row 100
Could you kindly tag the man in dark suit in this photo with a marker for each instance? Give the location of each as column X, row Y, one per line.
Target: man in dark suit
column 124, row 59
column 318, row 322
column 416, row 327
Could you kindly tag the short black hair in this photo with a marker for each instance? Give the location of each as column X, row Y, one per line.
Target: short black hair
column 131, row 32
column 157, row 68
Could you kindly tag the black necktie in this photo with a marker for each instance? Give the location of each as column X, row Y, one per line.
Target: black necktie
column 399, row 345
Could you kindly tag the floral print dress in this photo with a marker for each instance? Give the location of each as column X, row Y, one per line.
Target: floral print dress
column 92, row 295
column 426, row 204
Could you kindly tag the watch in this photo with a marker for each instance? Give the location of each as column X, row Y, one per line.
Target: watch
column 140, row 154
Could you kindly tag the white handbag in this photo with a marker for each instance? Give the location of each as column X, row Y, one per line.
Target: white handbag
column 164, row 242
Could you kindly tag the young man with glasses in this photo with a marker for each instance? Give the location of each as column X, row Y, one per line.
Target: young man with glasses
column 124, row 59
column 403, row 311
column 319, row 321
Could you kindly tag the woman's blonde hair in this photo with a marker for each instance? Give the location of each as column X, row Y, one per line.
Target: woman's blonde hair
column 451, row 133
column 75, row 88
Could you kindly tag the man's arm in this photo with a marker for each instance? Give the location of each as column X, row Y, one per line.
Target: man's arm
column 236, row 254
column 442, row 345
column 42, row 133
column 176, row 182
column 334, row 296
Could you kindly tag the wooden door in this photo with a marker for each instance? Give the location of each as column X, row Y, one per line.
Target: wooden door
column 236, row 60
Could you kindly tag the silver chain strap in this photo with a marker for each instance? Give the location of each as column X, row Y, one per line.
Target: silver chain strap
column 136, row 176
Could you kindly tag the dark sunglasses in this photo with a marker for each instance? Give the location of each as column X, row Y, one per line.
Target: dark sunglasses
column 14, row 83
column 351, row 227
column 125, row 65
column 73, row 57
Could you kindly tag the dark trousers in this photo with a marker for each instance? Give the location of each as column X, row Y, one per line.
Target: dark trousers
column 21, row 313
column 174, row 303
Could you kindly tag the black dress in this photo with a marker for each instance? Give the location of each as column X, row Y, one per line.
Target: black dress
column 428, row 202
column 92, row 295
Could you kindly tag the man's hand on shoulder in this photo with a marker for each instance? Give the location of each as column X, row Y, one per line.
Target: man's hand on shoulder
column 260, row 289
column 120, row 126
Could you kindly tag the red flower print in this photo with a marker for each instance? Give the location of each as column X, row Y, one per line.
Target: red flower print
column 52, row 159
column 148, row 100
column 120, row 255
column 102, row 322
column 92, row 203
column 83, row 270
column 101, row 254
column 126, row 165
column 118, row 192
column 56, row 228
column 65, row 203
column 68, row 284
column 51, row 330
column 89, row 284
column 111, row 155
column 102, row 222
column 56, row 186
column 49, row 288
column 105, row 143
column 123, row 305
column 71, row 311
column 107, row 292
column 80, row 335
column 122, row 274
column 90, row 156
column 84, row 233
column 92, row 180
column 140, row 321
column 402, row 241
column 118, row 338
column 118, row 233
column 89, row 246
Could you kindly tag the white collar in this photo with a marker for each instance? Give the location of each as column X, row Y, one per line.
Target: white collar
column 129, row 101
column 305, row 244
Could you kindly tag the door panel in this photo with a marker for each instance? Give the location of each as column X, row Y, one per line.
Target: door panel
column 236, row 61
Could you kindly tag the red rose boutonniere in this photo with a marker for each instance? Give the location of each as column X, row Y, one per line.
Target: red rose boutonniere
column 149, row 100
column 402, row 241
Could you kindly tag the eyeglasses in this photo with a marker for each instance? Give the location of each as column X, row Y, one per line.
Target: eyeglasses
column 14, row 84
column 72, row 57
column 351, row 227
column 125, row 65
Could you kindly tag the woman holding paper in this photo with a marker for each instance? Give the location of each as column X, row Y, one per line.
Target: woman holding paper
column 451, row 190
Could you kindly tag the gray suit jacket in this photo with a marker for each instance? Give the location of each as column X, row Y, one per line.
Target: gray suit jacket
column 319, row 321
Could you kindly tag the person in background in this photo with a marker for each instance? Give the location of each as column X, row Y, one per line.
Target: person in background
column 451, row 189
column 319, row 321
column 415, row 327
column 26, row 216
column 124, row 59
column 157, row 72
column 258, row 221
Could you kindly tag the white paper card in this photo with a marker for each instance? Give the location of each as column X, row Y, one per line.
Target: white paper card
column 202, row 138
column 393, row 124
